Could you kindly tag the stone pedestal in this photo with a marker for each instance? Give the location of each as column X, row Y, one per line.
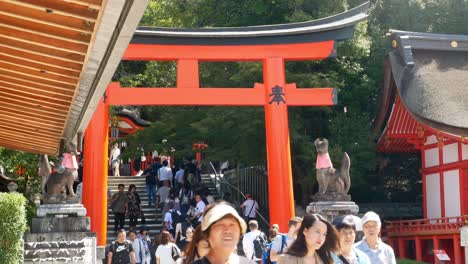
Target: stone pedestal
column 331, row 209
column 61, row 209
column 61, row 234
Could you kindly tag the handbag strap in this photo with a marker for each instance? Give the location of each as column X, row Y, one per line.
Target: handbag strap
column 251, row 208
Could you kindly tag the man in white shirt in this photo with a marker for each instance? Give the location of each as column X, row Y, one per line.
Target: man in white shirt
column 199, row 209
column 249, row 238
column 162, row 194
column 165, row 173
column 250, row 207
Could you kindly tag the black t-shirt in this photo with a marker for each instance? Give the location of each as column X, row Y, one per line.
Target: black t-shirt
column 121, row 252
column 151, row 178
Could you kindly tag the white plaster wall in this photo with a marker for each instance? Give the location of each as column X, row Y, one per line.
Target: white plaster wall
column 430, row 140
column 450, row 153
column 452, row 193
column 431, row 157
column 465, row 151
column 433, row 204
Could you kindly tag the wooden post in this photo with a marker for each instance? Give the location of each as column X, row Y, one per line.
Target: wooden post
column 277, row 140
column 401, row 248
column 95, row 171
column 417, row 242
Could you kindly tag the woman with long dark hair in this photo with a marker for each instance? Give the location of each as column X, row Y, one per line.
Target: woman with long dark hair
column 197, row 248
column 134, row 206
column 315, row 243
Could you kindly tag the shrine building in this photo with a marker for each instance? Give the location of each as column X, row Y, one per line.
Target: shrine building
column 424, row 110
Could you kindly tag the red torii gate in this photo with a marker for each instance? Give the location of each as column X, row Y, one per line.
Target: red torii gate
column 314, row 40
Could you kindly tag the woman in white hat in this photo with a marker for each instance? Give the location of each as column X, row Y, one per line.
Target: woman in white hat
column 222, row 227
column 371, row 244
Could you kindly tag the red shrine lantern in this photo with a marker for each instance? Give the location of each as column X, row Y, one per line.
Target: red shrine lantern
column 199, row 147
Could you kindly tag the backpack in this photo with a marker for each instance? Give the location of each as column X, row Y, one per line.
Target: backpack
column 176, row 217
column 266, row 254
column 260, row 245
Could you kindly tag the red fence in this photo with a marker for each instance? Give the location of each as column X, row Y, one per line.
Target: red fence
column 446, row 225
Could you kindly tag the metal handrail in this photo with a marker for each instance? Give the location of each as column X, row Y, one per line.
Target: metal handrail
column 222, row 181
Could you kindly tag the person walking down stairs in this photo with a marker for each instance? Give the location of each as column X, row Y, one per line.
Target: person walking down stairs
column 119, row 206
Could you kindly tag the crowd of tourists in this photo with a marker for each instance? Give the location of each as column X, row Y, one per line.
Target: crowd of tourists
column 196, row 229
column 215, row 238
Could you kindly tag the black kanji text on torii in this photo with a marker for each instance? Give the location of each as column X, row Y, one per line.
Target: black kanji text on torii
column 277, row 95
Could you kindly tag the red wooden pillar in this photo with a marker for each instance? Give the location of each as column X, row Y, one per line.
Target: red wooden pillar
column 436, row 246
column 277, row 141
column 417, row 242
column 401, row 248
column 95, row 171
column 457, row 249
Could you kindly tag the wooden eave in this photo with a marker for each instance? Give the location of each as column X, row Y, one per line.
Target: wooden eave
column 44, row 45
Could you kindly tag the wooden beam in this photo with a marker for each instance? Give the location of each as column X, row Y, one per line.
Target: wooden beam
column 26, row 99
column 32, row 72
column 22, row 115
column 176, row 96
column 6, row 131
column 28, row 108
column 43, row 15
column 30, row 148
column 60, row 63
column 48, row 30
column 217, row 96
column 40, row 66
column 27, row 94
column 30, row 121
column 30, row 129
column 33, row 140
column 42, row 49
column 41, row 81
column 33, row 89
column 93, row 2
column 34, row 38
column 301, row 51
column 66, row 7
column 64, row 94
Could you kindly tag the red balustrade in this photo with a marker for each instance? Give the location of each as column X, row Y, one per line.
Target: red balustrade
column 446, row 225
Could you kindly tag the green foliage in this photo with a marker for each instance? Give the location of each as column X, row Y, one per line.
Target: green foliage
column 23, row 167
column 12, row 227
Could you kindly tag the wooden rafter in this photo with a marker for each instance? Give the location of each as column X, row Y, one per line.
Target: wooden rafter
column 35, row 91
column 43, row 50
column 49, row 60
column 75, row 9
column 39, row 66
column 43, row 15
column 41, row 81
column 35, row 38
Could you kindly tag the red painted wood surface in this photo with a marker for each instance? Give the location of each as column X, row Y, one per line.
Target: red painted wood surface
column 300, row 51
column 95, row 171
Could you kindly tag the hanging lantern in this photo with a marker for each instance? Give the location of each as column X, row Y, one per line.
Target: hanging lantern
column 114, row 133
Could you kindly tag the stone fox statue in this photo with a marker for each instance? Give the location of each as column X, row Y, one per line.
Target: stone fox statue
column 329, row 179
column 65, row 172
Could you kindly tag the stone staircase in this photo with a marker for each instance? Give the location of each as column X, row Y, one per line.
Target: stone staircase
column 152, row 216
